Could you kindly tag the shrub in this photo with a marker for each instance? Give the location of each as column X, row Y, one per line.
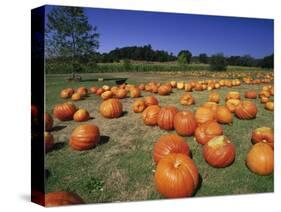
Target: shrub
column 218, row 63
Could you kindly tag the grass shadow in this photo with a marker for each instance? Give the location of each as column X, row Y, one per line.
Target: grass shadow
column 124, row 113
column 57, row 146
column 58, row 128
column 200, row 180
column 104, row 139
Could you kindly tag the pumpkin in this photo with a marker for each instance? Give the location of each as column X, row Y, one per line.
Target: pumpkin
column 173, row 83
column 49, row 141
column 214, row 97
column 264, row 93
column 76, row 96
column 176, row 176
column 135, row 92
column 271, row 91
column 150, row 115
column 231, row 104
column 111, row 108
column 250, row 95
column 121, row 93
column 198, row 87
column 65, row 93
column 187, row 99
column 223, row 115
column 82, row 91
column 211, row 105
column 64, row 111
column 180, row 85
column 232, row 95
column 150, row 100
column 207, row 131
column 84, row 137
column 48, row 121
column 260, row 159
column 62, row 198
column 246, row 110
column 141, row 87
column 185, row 123
column 264, row 99
column 166, row 116
column 269, row 106
column 93, row 89
column 203, row 115
column 99, row 91
column 167, row 144
column 106, row 87
column 81, row 115
column 114, row 90
column 164, row 90
column 263, row 134
column 106, row 95
column 138, row 106
column 219, row 152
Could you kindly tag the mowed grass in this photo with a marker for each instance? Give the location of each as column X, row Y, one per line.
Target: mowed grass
column 121, row 167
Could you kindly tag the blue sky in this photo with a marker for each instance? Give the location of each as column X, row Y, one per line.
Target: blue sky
column 174, row 32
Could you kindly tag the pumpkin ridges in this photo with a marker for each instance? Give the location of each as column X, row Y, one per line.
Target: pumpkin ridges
column 185, row 123
column 166, row 116
column 62, row 198
column 111, row 108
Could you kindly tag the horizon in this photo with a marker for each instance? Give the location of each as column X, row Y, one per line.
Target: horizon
column 232, row 36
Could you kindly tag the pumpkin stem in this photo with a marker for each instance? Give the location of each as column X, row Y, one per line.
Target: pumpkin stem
column 177, row 164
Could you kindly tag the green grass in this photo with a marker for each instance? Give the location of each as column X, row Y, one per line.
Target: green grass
column 122, row 167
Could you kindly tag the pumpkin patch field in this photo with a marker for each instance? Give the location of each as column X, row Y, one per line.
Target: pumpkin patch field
column 159, row 135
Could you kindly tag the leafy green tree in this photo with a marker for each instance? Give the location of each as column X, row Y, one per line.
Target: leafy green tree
column 218, row 62
column 184, row 54
column 203, row 58
column 69, row 35
column 267, row 62
column 182, row 59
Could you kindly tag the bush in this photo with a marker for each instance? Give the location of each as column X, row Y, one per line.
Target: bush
column 127, row 64
column 218, row 63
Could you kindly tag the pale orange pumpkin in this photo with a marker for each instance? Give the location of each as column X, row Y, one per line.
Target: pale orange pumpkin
column 231, row 104
column 106, row 95
column 81, row 115
column 187, row 99
column 269, row 106
column 214, row 97
column 76, row 96
column 232, row 95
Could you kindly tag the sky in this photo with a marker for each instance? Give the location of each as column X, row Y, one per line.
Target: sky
column 173, row 32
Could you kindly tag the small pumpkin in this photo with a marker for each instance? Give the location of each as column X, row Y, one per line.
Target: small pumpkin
column 138, row 106
column 205, row 132
column 176, row 176
column 135, row 92
column 81, row 115
column 48, row 121
column 269, row 106
column 99, row 91
column 167, row 144
column 204, row 114
column 150, row 100
column 232, row 95
column 260, row 159
column 214, row 97
column 185, row 123
column 246, row 110
column 49, row 141
column 65, row 93
column 223, row 115
column 93, row 89
column 64, row 111
column 231, row 104
column 76, row 96
column 263, row 134
column 173, row 83
column 180, row 85
column 211, row 105
column 166, row 116
column 62, row 198
column 250, row 95
column 82, row 91
column 264, row 93
column 106, row 95
column 111, row 108
column 150, row 115
column 84, row 137
column 219, row 152
column 187, row 99
column 164, row 90
column 264, row 99
column 121, row 93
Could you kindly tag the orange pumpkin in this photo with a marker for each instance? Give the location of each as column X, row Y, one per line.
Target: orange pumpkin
column 62, row 198
column 111, row 108
column 264, row 93
column 180, row 85
column 269, row 106
column 231, row 104
column 207, row 131
column 250, row 95
column 106, row 95
column 64, row 111
column 135, row 92
column 169, row 143
column 150, row 100
column 246, row 110
column 150, row 115
column 219, row 152
column 48, row 121
column 260, row 159
column 99, row 91
column 232, row 95
column 81, row 115
column 198, row 87
column 138, row 106
column 214, row 97
column 187, row 99
column 121, row 93
column 173, row 83
column 65, row 93
column 166, row 116
column 164, row 90
column 176, row 176
column 264, row 99
column 93, row 89
column 185, row 123
column 211, row 105
column 223, row 115
column 82, row 91
column 49, row 141
column 263, row 134
column 141, row 87
column 84, row 137
column 76, row 96
column 204, row 114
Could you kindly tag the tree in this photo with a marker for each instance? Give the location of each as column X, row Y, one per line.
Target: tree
column 203, row 58
column 218, row 62
column 182, row 59
column 267, row 62
column 187, row 54
column 69, row 34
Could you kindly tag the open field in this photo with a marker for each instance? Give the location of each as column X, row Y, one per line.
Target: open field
column 121, row 167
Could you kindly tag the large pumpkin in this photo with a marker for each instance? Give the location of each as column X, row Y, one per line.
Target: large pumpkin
column 260, row 159
column 214, row 97
column 81, row 115
column 62, row 198
column 169, row 143
column 150, row 115
column 250, row 95
column 84, row 137
column 166, row 116
column 150, row 100
column 64, row 111
column 49, row 141
column 187, row 99
column 185, row 123
column 263, row 134
column 246, row 110
column 48, row 121
column 204, row 114
column 207, row 131
column 138, row 106
column 111, row 108
column 176, row 176
column 231, row 104
column 223, row 115
column 219, row 152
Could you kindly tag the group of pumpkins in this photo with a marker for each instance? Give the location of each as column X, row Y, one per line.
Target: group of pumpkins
column 176, row 174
